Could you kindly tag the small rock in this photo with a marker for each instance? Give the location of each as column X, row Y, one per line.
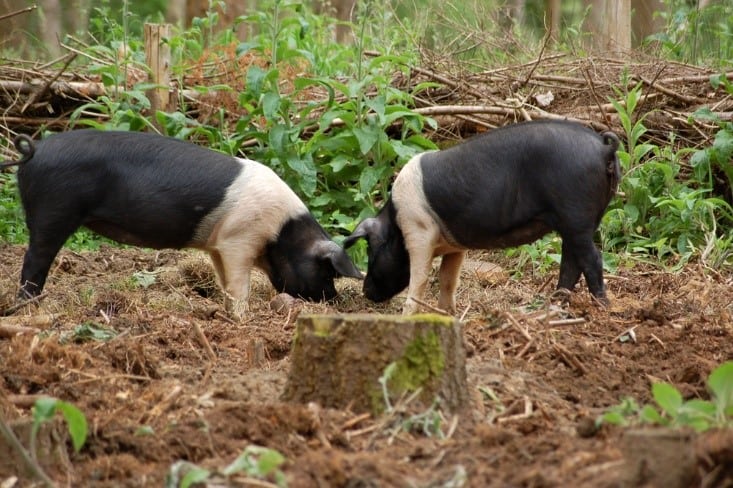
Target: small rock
column 282, row 303
column 484, row 272
column 586, row 427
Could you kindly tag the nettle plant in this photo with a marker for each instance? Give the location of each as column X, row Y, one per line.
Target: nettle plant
column 673, row 411
column 662, row 212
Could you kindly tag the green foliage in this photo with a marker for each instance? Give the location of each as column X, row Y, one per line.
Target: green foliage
column 46, row 408
column 339, row 131
column 673, row 411
column 88, row 331
column 661, row 213
column 697, row 35
column 254, row 462
column 12, row 221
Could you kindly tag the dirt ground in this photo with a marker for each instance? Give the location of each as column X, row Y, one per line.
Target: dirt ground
column 154, row 394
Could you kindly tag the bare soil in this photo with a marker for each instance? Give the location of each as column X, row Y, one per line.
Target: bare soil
column 154, row 394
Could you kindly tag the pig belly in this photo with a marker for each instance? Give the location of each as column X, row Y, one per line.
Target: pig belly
column 516, row 236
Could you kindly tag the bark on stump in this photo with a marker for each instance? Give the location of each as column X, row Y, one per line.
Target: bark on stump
column 338, row 360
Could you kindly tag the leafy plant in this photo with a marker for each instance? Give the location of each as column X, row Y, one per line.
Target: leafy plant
column 673, row 411
column 46, row 408
column 662, row 212
column 255, row 462
column 88, row 331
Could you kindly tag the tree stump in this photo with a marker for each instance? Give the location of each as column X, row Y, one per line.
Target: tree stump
column 338, row 360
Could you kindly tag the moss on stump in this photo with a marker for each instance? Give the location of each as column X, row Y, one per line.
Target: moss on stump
column 337, row 361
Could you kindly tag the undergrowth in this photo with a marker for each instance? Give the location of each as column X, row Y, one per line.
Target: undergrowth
column 327, row 118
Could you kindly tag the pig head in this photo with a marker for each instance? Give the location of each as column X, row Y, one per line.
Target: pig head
column 159, row 192
column 504, row 188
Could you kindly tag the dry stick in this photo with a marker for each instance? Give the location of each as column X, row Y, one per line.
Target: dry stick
column 204, row 341
column 22, row 304
column 32, row 465
column 24, row 401
column 651, row 85
column 569, row 358
column 591, row 85
column 567, row 321
column 692, row 79
column 353, row 421
column 18, row 12
column 679, row 96
column 518, row 326
column 446, row 81
column 429, row 307
column 537, row 63
column 8, row 331
column 526, row 414
column 39, row 93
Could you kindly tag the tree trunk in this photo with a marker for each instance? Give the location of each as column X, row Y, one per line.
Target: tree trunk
column 643, row 21
column 609, row 25
column 338, row 360
column 552, row 18
column 51, row 26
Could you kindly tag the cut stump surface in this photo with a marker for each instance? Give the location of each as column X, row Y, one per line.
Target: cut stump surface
column 338, row 360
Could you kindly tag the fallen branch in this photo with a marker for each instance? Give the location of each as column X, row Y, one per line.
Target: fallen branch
column 28, row 460
column 18, row 12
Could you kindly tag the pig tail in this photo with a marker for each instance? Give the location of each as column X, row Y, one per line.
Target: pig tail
column 24, row 145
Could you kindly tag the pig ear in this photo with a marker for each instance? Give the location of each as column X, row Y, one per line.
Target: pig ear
column 366, row 229
column 330, row 251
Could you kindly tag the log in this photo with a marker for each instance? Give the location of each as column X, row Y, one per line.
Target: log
column 338, row 360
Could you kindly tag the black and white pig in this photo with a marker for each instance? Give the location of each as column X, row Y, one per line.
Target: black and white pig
column 500, row 189
column 154, row 191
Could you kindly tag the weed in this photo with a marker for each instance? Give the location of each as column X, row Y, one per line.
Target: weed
column 258, row 463
column 673, row 411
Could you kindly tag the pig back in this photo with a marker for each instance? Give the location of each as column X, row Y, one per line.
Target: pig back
column 137, row 188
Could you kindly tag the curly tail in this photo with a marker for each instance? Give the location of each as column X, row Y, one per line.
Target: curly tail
column 24, row 145
column 613, row 168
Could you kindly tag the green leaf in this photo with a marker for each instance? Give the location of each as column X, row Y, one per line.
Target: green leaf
column 44, row 409
column 270, row 105
column 650, row 415
column 667, row 397
column 144, row 279
column 269, row 461
column 369, row 178
column 255, row 80
column 613, row 418
column 367, row 137
column 720, row 382
column 89, row 331
column 76, row 422
column 195, row 475
column 700, row 408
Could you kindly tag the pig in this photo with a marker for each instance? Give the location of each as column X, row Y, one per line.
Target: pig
column 503, row 188
column 158, row 192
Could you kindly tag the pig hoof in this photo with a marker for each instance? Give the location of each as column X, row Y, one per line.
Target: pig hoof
column 410, row 307
column 561, row 295
column 449, row 308
column 237, row 308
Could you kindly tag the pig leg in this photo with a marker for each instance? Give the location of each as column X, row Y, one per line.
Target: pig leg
column 46, row 241
column 579, row 254
column 218, row 268
column 569, row 268
column 421, row 259
column 450, row 268
column 236, row 272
